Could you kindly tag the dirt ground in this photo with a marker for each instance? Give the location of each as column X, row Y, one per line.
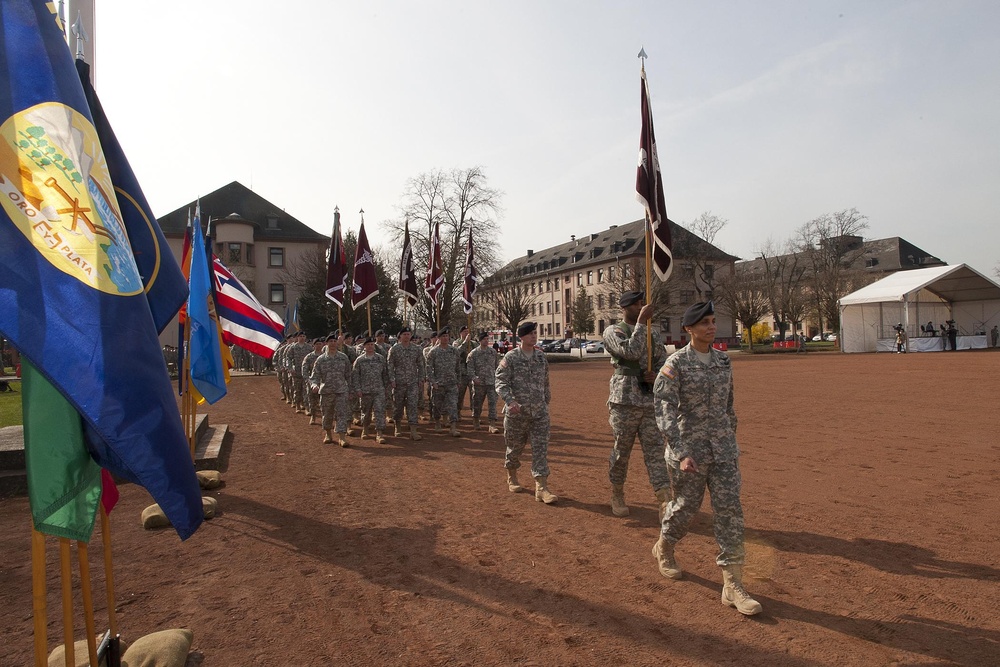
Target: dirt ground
column 870, row 493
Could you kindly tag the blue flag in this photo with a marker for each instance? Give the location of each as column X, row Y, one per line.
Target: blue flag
column 207, row 374
column 71, row 297
column 165, row 285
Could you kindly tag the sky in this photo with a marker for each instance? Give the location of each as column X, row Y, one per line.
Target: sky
column 767, row 113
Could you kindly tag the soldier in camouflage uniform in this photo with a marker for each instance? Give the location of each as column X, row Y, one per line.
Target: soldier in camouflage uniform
column 369, row 379
column 296, row 355
column 406, row 378
column 382, row 348
column 331, row 379
column 522, row 381
column 278, row 361
column 693, row 397
column 482, row 363
column 630, row 400
column 442, row 373
column 433, row 416
column 311, row 399
column 465, row 345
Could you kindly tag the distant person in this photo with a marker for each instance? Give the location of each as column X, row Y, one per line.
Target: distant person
column 693, row 397
column 900, row 340
column 994, row 335
column 931, row 329
column 802, row 343
column 952, row 335
column 522, row 381
column 944, row 338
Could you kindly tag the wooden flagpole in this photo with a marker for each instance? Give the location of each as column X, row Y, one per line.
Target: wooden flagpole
column 649, row 289
column 109, row 575
column 66, row 575
column 38, row 600
column 82, row 555
column 368, row 306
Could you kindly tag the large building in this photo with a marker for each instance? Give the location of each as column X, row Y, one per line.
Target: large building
column 256, row 239
column 603, row 265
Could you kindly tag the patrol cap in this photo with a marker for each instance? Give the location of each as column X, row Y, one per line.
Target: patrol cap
column 628, row 298
column 317, row 341
column 380, row 332
column 369, row 339
column 332, row 336
column 696, row 311
column 403, row 331
column 366, row 334
column 526, row 328
column 444, row 332
column 464, row 328
column 483, row 334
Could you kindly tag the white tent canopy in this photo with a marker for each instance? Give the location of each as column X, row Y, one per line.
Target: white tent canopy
column 913, row 299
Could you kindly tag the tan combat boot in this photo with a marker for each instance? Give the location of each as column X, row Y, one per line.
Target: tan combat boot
column 437, row 426
column 494, row 428
column 399, row 430
column 733, row 593
column 663, row 552
column 328, row 439
column 542, row 494
column 618, row 506
column 379, row 438
column 512, row 484
column 663, row 496
column 475, row 423
column 312, row 420
column 413, row 433
column 454, row 429
column 364, row 430
column 343, row 441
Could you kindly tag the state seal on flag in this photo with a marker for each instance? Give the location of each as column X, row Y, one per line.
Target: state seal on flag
column 55, row 187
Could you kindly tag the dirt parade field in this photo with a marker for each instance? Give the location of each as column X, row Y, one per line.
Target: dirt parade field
column 870, row 488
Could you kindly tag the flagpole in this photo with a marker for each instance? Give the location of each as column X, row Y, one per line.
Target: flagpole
column 67, row 599
column 38, row 597
column 88, row 599
column 368, row 306
column 109, row 574
column 649, row 292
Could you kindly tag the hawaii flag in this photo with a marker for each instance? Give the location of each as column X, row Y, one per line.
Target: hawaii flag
column 407, row 277
column 365, row 279
column 336, row 268
column 649, row 190
column 434, row 282
column 245, row 322
column 471, row 278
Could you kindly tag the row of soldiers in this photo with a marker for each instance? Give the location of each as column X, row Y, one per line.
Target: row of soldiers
column 336, row 378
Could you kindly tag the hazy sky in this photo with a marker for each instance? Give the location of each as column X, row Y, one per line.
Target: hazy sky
column 767, row 113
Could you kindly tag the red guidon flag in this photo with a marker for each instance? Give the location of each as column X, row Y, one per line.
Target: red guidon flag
column 649, row 190
column 365, row 279
column 336, row 268
column 407, row 277
column 471, row 278
column 434, row 282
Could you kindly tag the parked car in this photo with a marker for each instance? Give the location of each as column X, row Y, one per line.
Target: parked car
column 561, row 346
column 595, row 346
column 545, row 344
column 825, row 336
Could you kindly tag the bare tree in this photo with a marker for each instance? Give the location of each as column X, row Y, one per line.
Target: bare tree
column 508, row 297
column 744, row 295
column 832, row 243
column 463, row 203
column 784, row 280
column 706, row 226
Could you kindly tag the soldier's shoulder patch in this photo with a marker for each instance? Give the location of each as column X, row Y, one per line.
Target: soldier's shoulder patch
column 668, row 372
column 503, row 363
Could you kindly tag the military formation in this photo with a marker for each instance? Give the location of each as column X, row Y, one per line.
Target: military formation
column 680, row 408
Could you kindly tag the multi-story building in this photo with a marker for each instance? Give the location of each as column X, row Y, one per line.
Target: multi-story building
column 256, row 239
column 602, row 265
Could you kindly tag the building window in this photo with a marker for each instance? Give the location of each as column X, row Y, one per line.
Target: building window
column 249, row 257
column 557, row 305
column 709, row 272
column 687, row 271
column 276, row 257
column 611, row 299
column 687, row 297
column 600, row 326
column 557, row 283
column 235, row 253
column 600, row 276
column 548, row 308
column 557, row 328
column 532, row 287
column 600, row 301
column 590, row 277
column 579, row 280
column 272, row 222
column 548, row 285
column 665, row 325
column 611, row 273
column 277, row 291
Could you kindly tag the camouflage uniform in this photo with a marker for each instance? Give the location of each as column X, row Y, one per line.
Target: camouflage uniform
column 278, row 361
column 293, row 361
column 311, row 400
column 694, row 409
column 369, row 379
column 382, row 349
column 331, row 376
column 524, row 379
column 482, row 364
column 432, row 406
column 406, row 373
column 443, row 372
column 630, row 407
column 464, row 378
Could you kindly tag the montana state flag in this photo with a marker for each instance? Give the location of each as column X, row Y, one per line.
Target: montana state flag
column 72, row 299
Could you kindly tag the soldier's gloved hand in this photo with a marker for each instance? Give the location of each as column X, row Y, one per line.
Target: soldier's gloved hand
column 650, row 376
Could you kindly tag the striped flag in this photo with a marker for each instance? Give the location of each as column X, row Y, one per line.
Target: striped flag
column 407, row 277
column 434, row 282
column 649, row 190
column 245, row 322
column 471, row 278
column 336, row 268
column 207, row 370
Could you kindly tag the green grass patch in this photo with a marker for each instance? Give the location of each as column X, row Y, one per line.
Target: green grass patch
column 10, row 407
